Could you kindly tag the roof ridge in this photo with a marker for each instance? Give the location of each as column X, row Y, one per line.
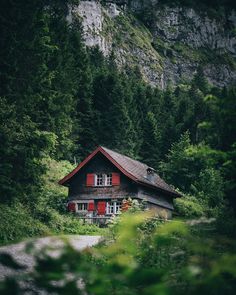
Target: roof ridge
column 134, row 160
column 130, row 167
column 145, row 166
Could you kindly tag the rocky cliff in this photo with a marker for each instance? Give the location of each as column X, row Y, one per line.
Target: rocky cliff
column 166, row 43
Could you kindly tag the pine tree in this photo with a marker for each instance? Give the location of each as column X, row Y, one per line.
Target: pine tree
column 200, row 82
column 36, row 77
column 22, row 148
column 84, row 128
column 166, row 120
column 174, row 167
column 150, row 148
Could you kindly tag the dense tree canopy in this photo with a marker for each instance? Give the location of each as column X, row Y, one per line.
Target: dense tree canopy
column 58, row 101
column 61, row 99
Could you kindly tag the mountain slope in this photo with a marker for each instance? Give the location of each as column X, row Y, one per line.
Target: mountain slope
column 167, row 43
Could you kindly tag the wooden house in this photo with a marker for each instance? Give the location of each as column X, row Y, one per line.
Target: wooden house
column 101, row 182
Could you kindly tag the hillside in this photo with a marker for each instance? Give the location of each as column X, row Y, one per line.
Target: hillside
column 60, row 99
column 166, row 41
column 61, row 96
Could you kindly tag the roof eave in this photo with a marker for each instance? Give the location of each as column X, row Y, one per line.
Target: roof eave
column 65, row 180
column 173, row 194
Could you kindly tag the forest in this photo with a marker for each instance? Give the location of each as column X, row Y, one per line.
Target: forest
column 58, row 101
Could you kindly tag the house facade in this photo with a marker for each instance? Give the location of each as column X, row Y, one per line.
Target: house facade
column 100, row 184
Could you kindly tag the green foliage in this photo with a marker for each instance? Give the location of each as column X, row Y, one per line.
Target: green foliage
column 48, row 215
column 59, row 100
column 151, row 141
column 54, row 195
column 64, row 223
column 203, row 4
column 17, row 223
column 134, row 207
column 209, row 188
column 226, row 222
column 189, row 207
column 22, row 147
column 20, row 222
column 168, row 258
column 51, row 205
column 194, row 169
column 185, row 162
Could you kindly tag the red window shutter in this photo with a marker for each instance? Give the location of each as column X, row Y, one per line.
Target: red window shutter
column 91, row 206
column 115, row 178
column 90, row 179
column 71, row 207
column 101, row 208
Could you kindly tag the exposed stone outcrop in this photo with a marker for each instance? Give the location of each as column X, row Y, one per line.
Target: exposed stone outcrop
column 171, row 46
column 112, row 29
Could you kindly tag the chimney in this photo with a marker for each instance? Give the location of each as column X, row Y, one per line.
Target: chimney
column 150, row 174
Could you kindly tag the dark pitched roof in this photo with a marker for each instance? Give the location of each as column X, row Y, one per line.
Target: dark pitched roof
column 133, row 169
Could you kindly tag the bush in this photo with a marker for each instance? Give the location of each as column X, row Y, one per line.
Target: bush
column 226, row 222
column 17, row 223
column 63, row 223
column 55, row 195
column 70, row 224
column 188, row 206
column 176, row 261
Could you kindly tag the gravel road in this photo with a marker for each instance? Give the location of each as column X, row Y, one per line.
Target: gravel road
column 17, row 251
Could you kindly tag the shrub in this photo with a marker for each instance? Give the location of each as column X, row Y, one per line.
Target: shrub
column 60, row 223
column 226, row 222
column 70, row 224
column 188, row 206
column 176, row 261
column 17, row 223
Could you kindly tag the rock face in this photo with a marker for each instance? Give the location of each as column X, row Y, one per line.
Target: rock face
column 166, row 43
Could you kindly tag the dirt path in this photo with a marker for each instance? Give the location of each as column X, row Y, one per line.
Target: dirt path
column 17, row 251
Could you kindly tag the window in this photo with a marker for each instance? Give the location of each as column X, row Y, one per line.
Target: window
column 113, row 207
column 108, row 179
column 82, row 206
column 103, row 179
column 99, row 180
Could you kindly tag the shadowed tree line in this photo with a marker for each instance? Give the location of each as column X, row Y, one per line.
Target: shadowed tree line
column 60, row 99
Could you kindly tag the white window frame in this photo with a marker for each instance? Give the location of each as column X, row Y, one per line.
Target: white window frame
column 113, row 207
column 98, row 179
column 108, row 179
column 102, row 179
column 84, row 207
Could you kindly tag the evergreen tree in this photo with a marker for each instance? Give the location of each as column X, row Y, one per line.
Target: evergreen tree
column 34, row 75
column 22, row 148
column 150, row 149
column 166, row 120
column 209, row 188
column 185, row 162
column 61, row 98
column 227, row 122
column 200, row 82
column 84, row 123
column 173, row 169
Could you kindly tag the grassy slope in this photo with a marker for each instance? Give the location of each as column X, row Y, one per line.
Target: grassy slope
column 49, row 217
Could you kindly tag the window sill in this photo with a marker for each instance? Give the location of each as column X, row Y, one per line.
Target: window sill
column 102, row 186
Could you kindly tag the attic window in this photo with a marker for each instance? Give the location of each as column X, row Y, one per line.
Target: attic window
column 150, row 170
column 103, row 179
column 150, row 174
